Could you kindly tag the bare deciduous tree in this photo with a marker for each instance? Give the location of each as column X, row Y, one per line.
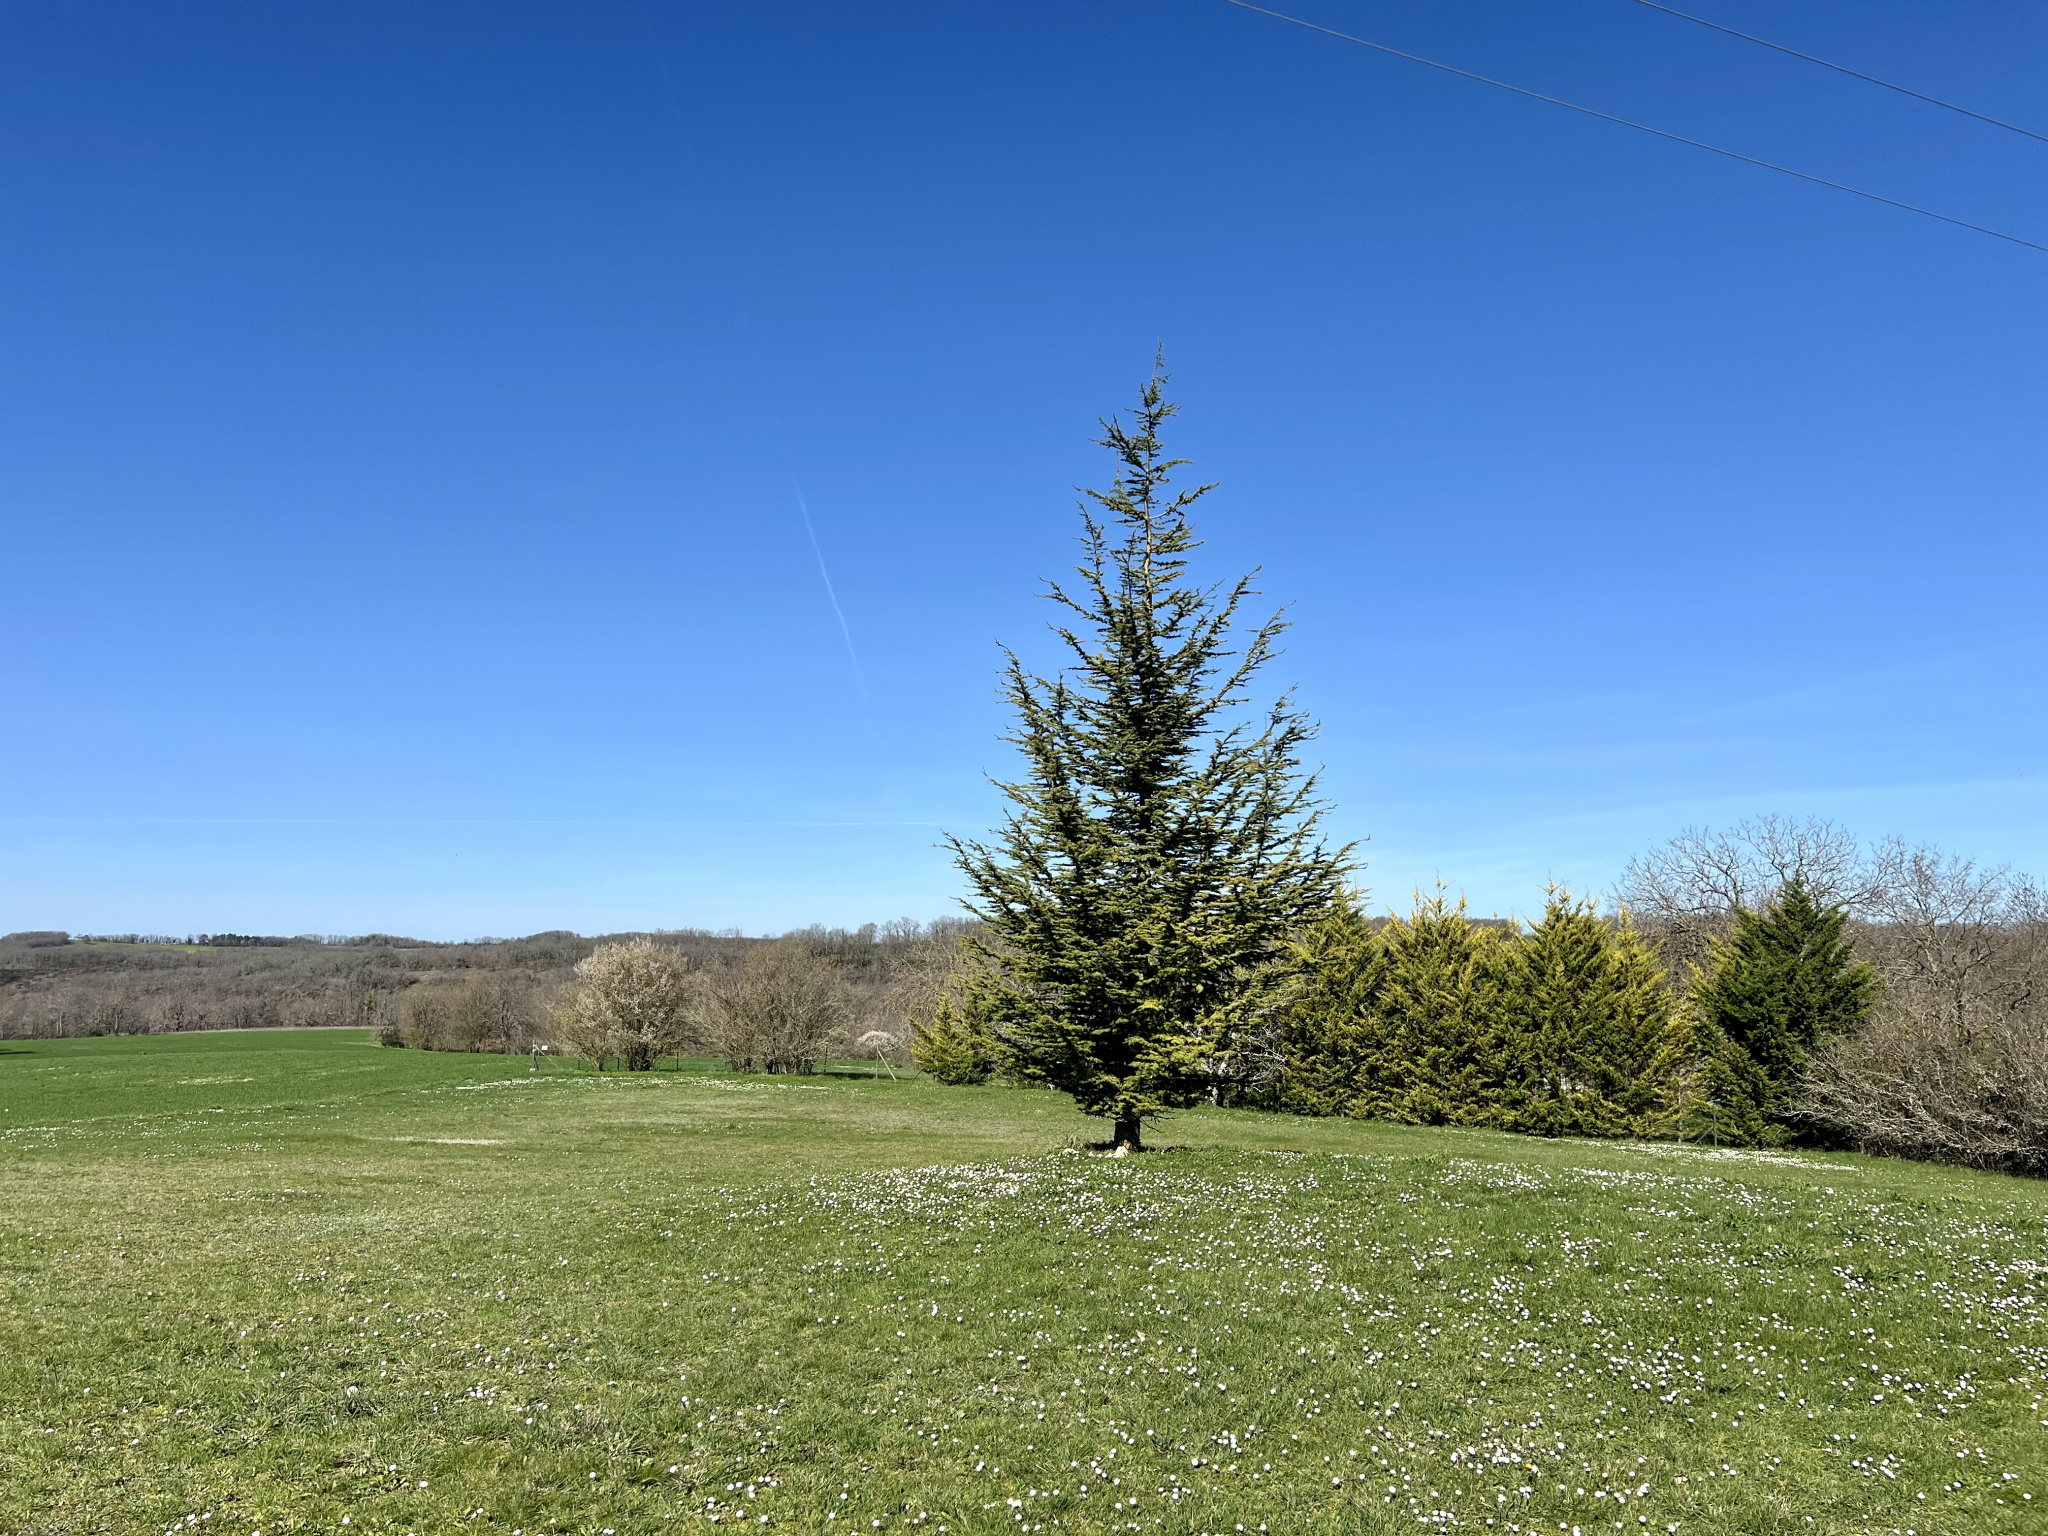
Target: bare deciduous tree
column 423, row 1016
column 929, row 967
column 776, row 1009
column 1909, row 1085
column 1684, row 892
column 1955, row 940
column 1954, row 1063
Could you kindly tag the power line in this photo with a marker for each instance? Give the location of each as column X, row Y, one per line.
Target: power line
column 1609, row 117
column 1764, row 42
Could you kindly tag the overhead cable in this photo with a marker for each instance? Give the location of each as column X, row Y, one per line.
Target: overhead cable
column 1609, row 117
column 1764, row 42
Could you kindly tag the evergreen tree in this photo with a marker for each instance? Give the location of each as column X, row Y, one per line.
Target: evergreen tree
column 1651, row 1034
column 1396, row 1022
column 1734, row 1099
column 1595, row 1049
column 1161, row 850
column 1439, row 1057
column 1568, row 1030
column 955, row 1045
column 1330, row 1037
column 1782, row 981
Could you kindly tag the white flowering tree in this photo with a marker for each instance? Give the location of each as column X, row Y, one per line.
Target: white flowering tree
column 633, row 1000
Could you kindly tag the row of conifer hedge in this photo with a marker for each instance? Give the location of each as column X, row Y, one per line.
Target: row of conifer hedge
column 1570, row 1026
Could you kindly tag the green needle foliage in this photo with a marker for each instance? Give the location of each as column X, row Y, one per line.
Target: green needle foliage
column 1399, row 1023
column 1440, row 1011
column 1331, row 1040
column 1782, row 981
column 1432, row 1019
column 1600, row 1053
column 954, row 1045
column 1161, row 851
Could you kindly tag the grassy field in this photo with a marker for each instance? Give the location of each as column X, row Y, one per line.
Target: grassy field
column 292, row 1283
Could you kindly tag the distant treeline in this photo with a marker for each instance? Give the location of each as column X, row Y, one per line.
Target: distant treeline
column 226, row 940
column 484, row 995
column 194, row 940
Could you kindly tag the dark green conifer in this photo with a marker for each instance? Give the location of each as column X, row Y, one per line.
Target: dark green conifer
column 1782, row 981
column 1160, row 851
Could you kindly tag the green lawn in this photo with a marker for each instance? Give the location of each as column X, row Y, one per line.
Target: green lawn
column 292, row 1282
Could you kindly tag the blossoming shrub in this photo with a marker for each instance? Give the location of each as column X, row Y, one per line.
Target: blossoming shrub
column 633, row 1001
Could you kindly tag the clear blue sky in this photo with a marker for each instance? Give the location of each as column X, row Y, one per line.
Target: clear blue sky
column 403, row 410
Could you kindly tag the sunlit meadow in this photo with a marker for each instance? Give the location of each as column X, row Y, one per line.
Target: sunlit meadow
column 294, row 1283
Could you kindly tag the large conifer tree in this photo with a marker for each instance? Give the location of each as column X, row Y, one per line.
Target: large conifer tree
column 1162, row 848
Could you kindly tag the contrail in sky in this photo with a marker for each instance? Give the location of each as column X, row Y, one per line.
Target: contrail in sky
column 803, row 506
column 675, row 106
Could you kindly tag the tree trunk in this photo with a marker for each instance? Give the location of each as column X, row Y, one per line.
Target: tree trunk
column 1127, row 1127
